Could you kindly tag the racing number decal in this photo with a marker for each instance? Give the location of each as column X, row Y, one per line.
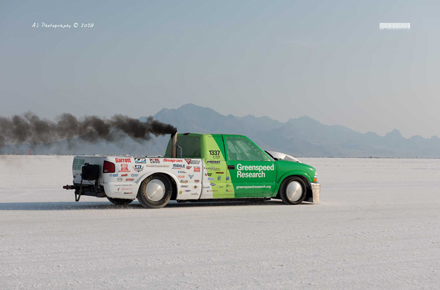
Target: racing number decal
column 215, row 154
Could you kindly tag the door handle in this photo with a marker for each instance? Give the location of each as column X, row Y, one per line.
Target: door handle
column 231, row 166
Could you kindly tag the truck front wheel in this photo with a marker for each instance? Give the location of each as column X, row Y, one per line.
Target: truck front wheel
column 155, row 191
column 293, row 190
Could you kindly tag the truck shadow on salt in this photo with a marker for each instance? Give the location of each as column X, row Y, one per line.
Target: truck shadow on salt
column 47, row 206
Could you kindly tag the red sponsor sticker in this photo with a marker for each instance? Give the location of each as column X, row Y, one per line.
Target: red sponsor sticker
column 196, row 169
column 188, row 167
column 123, row 175
column 121, row 160
column 124, row 168
column 172, row 160
column 129, row 179
column 188, row 161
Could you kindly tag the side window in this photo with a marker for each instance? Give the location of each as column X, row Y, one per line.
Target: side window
column 242, row 149
column 190, row 147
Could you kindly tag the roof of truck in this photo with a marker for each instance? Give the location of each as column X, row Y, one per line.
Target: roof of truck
column 201, row 134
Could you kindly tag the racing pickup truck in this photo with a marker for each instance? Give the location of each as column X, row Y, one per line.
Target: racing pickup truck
column 208, row 167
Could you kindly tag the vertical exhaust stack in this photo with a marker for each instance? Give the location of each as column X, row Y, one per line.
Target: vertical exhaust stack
column 174, row 145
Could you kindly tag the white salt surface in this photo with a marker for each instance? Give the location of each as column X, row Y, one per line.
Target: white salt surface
column 377, row 227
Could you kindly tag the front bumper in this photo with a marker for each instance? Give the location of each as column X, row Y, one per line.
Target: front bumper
column 316, row 192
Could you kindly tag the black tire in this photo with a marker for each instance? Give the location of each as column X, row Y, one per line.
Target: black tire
column 296, row 185
column 147, row 198
column 119, row 201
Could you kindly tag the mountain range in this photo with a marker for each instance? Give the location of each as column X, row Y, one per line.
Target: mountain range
column 301, row 137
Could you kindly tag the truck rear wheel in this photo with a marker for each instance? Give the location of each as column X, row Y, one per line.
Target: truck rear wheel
column 155, row 191
column 293, row 190
column 119, row 201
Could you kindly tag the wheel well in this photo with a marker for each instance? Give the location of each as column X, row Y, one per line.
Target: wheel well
column 306, row 182
column 173, row 185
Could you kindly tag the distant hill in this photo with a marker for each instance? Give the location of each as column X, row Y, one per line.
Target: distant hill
column 303, row 136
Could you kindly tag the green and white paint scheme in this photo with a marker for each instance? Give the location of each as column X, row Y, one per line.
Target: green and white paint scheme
column 209, row 166
column 238, row 168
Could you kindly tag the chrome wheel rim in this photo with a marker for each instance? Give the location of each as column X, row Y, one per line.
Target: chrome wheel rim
column 294, row 191
column 155, row 190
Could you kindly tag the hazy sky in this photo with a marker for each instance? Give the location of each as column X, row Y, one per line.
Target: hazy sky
column 283, row 59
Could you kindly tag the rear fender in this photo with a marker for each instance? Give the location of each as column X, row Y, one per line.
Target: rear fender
column 139, row 181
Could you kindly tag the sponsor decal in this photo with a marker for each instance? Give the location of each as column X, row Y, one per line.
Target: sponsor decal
column 128, row 192
column 209, row 174
column 196, row 181
column 195, row 162
column 179, row 166
column 214, row 190
column 188, row 167
column 227, row 185
column 188, row 190
column 214, row 168
column 123, row 175
column 196, row 168
column 154, row 161
column 227, row 177
column 213, row 161
column 124, row 168
column 123, row 160
column 219, row 172
column 183, row 181
column 180, row 192
column 209, row 190
column 124, row 188
column 212, row 184
column 180, row 176
column 181, row 171
column 134, row 175
column 220, row 186
column 206, row 174
column 78, row 163
column 195, row 186
column 172, row 160
column 184, row 186
column 140, row 160
column 191, row 176
column 194, row 193
column 228, row 190
column 260, row 174
column 129, row 179
column 138, row 168
column 253, row 186
column 211, row 178
column 114, row 175
column 120, row 179
column 188, row 161
column 219, row 177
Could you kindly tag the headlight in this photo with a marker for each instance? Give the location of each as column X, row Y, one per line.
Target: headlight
column 316, row 177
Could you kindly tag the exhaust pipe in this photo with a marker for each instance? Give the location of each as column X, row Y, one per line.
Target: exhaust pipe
column 174, row 145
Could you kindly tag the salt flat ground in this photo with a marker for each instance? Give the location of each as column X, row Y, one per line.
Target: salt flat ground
column 377, row 227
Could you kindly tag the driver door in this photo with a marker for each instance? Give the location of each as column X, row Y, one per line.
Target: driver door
column 252, row 172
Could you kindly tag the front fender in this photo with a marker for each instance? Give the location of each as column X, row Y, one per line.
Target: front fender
column 293, row 173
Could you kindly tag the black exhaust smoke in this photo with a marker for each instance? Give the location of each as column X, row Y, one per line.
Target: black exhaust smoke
column 30, row 128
